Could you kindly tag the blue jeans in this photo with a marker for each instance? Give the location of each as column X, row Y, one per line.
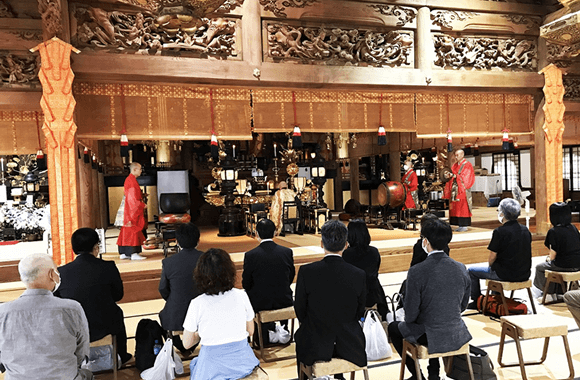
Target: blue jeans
column 479, row 272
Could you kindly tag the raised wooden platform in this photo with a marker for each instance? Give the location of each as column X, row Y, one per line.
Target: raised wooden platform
column 141, row 279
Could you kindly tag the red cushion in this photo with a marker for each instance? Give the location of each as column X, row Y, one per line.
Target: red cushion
column 174, row 218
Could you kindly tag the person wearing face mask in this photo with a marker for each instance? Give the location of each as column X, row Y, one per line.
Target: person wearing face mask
column 437, row 292
column 510, row 256
column 96, row 284
column 411, row 184
column 42, row 336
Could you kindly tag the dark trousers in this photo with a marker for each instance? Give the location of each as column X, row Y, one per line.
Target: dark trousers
column 397, row 340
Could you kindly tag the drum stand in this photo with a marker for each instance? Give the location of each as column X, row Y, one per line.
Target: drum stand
column 392, row 218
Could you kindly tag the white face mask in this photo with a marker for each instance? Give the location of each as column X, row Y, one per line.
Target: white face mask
column 406, row 167
column 424, row 246
column 500, row 217
column 56, row 284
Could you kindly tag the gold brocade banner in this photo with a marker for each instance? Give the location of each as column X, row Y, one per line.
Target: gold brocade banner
column 333, row 111
column 161, row 111
column 20, row 132
column 474, row 114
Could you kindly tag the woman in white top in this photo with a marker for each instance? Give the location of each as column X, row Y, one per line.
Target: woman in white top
column 221, row 317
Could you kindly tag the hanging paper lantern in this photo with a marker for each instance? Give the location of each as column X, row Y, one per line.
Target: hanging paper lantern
column 40, row 160
column 515, row 145
column 214, row 146
column 296, row 138
column 95, row 165
column 382, row 136
column 505, row 140
column 86, row 158
column 449, row 142
column 124, row 146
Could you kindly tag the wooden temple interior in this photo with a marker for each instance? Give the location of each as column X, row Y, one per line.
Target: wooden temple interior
column 81, row 78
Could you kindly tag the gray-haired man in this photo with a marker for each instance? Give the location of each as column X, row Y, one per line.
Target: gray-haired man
column 43, row 336
column 510, row 257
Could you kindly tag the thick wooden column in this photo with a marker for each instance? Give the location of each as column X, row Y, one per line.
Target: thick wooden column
column 425, row 51
column 548, row 147
column 59, row 129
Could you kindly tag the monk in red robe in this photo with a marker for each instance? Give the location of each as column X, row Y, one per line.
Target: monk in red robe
column 458, row 191
column 131, row 236
column 411, row 184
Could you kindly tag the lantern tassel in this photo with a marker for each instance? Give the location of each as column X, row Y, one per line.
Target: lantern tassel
column 382, row 137
column 296, row 138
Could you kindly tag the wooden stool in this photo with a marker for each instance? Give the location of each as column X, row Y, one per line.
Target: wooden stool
column 531, row 327
column 257, row 374
column 109, row 340
column 332, row 367
column 560, row 278
column 267, row 316
column 420, row 352
column 500, row 286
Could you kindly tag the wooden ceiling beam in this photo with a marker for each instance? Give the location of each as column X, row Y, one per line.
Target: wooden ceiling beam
column 106, row 68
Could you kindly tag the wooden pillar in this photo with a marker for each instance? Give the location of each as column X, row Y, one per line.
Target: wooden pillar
column 549, row 127
column 338, row 200
column 354, row 181
column 425, row 51
column 59, row 129
column 251, row 46
column 394, row 156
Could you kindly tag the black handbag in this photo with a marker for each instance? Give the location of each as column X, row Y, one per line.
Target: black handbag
column 480, row 362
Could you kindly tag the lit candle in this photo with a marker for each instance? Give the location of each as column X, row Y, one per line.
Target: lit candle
column 152, row 161
column 274, row 149
column 2, row 164
column 234, row 147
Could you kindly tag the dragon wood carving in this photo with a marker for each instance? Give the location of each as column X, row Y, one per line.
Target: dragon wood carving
column 279, row 6
column 138, row 33
column 572, row 86
column 485, row 53
column 338, row 46
column 404, row 14
column 19, row 69
column 5, row 11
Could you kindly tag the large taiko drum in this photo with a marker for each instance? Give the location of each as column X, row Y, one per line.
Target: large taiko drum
column 392, row 194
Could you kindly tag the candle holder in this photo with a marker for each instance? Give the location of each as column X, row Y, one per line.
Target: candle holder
column 276, row 169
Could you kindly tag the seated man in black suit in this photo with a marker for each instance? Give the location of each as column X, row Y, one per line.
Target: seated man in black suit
column 437, row 293
column 330, row 301
column 268, row 273
column 176, row 285
column 96, row 284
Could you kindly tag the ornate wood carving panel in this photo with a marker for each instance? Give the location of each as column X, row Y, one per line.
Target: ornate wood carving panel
column 338, row 46
column 278, row 7
column 19, row 70
column 485, row 53
column 447, row 19
column 97, row 29
column 404, row 15
column 572, row 87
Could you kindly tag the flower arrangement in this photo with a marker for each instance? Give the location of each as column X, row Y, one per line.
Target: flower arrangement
column 25, row 219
